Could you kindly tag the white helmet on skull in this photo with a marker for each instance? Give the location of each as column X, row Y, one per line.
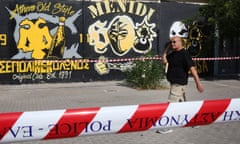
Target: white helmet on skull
column 178, row 29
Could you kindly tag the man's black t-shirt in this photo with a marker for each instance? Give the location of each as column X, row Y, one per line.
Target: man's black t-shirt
column 179, row 63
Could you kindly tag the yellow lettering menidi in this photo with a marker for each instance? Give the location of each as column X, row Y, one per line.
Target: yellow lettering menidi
column 132, row 7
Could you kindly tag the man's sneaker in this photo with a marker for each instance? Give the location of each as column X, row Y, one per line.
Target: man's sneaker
column 164, row 131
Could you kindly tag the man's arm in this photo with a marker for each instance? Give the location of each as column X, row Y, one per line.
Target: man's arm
column 197, row 80
column 165, row 52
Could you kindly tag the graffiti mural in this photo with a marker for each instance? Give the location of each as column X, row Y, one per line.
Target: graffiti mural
column 120, row 32
column 78, row 40
column 122, row 35
column 33, row 35
column 195, row 39
column 45, row 34
column 194, row 45
column 44, row 41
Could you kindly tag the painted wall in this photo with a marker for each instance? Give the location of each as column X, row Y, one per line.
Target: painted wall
column 67, row 41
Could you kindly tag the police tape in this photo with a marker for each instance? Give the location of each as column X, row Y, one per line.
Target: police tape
column 217, row 58
column 159, row 58
column 107, row 60
column 54, row 124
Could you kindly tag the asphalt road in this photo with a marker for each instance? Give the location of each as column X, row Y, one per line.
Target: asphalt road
column 35, row 97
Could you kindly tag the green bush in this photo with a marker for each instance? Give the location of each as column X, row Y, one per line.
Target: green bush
column 145, row 73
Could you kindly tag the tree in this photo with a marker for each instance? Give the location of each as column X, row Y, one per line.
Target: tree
column 224, row 13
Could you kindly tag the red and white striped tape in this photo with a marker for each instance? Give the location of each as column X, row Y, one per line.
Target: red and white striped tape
column 217, row 58
column 53, row 124
column 107, row 60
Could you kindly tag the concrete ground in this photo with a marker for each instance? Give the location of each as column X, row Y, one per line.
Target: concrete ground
column 35, row 97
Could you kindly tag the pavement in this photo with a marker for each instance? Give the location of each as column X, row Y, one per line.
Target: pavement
column 51, row 96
